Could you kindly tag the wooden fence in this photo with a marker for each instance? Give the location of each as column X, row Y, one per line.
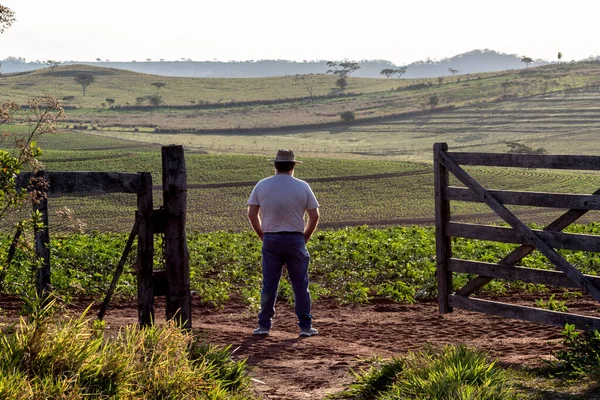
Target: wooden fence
column 545, row 241
column 168, row 220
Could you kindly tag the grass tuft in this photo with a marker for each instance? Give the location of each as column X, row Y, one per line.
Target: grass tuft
column 453, row 372
column 73, row 358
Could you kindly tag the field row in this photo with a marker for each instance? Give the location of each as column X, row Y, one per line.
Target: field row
column 374, row 200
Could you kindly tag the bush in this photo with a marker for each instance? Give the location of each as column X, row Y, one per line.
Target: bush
column 347, row 116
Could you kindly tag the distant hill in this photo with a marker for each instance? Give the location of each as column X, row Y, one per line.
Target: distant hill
column 474, row 61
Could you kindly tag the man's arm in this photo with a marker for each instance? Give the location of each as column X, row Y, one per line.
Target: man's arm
column 254, row 218
column 311, row 225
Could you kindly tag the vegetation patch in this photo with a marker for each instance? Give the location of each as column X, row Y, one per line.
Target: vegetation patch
column 72, row 358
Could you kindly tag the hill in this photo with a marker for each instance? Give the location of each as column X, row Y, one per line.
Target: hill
column 475, row 61
column 381, row 157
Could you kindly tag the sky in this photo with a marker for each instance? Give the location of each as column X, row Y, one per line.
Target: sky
column 394, row 30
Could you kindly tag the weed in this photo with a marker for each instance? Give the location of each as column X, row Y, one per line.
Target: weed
column 581, row 355
column 552, row 304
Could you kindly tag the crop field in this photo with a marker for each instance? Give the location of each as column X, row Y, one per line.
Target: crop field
column 376, row 171
column 351, row 191
column 373, row 177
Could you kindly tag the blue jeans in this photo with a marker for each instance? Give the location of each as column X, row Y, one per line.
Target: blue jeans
column 289, row 249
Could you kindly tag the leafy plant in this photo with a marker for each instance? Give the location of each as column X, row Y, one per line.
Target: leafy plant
column 552, row 304
column 581, row 355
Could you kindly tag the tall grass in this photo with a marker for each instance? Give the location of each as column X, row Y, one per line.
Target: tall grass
column 47, row 357
column 454, row 372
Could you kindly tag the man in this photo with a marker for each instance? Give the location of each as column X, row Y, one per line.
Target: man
column 276, row 210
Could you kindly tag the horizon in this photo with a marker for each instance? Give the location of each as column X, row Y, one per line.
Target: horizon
column 265, row 30
column 482, row 51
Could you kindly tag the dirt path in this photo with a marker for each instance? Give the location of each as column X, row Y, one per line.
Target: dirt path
column 285, row 366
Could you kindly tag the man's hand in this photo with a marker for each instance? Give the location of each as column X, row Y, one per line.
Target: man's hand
column 311, row 225
column 254, row 217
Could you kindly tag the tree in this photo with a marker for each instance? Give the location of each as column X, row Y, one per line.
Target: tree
column 526, row 60
column 52, row 63
column 7, row 17
column 342, row 69
column 389, row 72
column 559, row 56
column 19, row 152
column 453, row 71
column 307, row 82
column 433, row 101
column 84, row 80
column 158, row 85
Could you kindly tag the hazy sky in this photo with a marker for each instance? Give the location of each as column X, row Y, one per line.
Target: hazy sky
column 395, row 30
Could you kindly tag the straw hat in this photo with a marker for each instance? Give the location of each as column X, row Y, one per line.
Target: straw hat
column 285, row 155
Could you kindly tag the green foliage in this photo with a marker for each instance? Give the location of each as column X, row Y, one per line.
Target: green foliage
column 450, row 373
column 351, row 265
column 51, row 357
column 581, row 355
column 552, row 304
column 373, row 381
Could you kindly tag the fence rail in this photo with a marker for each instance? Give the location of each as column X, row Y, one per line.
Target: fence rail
column 546, row 240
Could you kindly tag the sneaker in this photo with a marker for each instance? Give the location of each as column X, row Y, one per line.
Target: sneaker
column 260, row 331
column 307, row 332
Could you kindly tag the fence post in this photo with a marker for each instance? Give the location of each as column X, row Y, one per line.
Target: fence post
column 145, row 252
column 42, row 234
column 177, row 260
column 442, row 217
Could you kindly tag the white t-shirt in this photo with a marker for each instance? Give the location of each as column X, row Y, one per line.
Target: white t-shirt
column 283, row 201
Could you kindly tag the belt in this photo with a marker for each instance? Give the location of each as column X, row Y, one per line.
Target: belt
column 284, row 233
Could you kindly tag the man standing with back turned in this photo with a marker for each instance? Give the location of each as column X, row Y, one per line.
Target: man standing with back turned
column 276, row 209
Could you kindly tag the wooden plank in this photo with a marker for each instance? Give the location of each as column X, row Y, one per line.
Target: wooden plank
column 591, row 163
column 530, row 275
column 558, row 240
column 145, row 253
column 88, row 182
column 523, row 230
column 524, row 313
column 516, row 255
column 538, row 199
column 119, row 269
column 177, row 258
column 442, row 240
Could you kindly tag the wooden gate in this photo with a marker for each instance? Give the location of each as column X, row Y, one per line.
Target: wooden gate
column 174, row 282
column 545, row 241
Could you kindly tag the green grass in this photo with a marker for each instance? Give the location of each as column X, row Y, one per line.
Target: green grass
column 49, row 355
column 454, row 372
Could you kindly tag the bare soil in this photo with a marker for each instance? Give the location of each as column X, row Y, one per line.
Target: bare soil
column 285, row 366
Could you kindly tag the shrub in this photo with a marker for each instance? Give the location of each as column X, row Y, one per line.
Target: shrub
column 347, row 116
